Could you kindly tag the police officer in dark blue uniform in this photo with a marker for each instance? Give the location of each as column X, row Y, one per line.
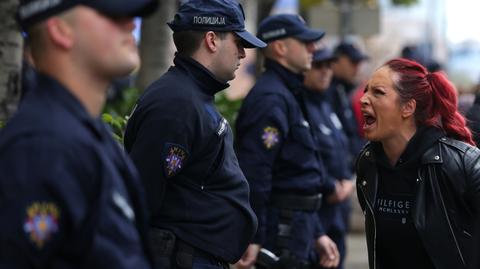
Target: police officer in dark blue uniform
column 333, row 145
column 198, row 196
column 277, row 150
column 345, row 70
column 69, row 196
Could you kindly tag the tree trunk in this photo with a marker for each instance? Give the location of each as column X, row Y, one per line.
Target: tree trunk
column 264, row 9
column 156, row 46
column 11, row 44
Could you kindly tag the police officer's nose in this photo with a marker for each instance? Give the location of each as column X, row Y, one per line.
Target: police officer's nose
column 241, row 52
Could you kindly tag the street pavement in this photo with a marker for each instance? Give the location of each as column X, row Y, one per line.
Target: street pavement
column 356, row 251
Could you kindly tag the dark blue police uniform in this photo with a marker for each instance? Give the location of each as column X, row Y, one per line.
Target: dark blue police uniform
column 183, row 149
column 338, row 95
column 333, row 145
column 69, row 197
column 198, row 196
column 280, row 158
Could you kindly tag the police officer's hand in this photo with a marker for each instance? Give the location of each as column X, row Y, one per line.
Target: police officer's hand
column 348, row 187
column 327, row 251
column 343, row 189
column 249, row 257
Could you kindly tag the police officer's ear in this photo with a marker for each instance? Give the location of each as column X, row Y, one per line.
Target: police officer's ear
column 278, row 48
column 211, row 41
column 60, row 32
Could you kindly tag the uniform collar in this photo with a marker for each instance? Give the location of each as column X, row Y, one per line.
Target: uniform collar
column 293, row 81
column 203, row 77
column 64, row 98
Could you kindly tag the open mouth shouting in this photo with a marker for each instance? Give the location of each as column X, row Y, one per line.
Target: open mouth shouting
column 369, row 119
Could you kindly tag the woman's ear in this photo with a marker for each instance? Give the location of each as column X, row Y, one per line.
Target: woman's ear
column 408, row 108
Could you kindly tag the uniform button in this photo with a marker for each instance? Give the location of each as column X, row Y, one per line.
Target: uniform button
column 364, row 183
column 418, row 180
column 202, row 187
column 443, row 139
column 367, row 153
column 436, row 157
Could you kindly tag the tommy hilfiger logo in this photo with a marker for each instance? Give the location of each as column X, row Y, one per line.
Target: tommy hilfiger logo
column 209, row 20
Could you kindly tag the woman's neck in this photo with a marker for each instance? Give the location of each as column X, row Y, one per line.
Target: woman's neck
column 395, row 146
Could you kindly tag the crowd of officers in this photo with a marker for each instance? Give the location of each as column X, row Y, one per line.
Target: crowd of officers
column 275, row 194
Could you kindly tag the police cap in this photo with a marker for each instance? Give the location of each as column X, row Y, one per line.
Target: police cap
column 287, row 25
column 31, row 12
column 323, row 55
column 214, row 15
column 351, row 52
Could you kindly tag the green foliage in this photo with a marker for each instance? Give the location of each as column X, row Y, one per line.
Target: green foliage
column 1, row 124
column 404, row 2
column 228, row 108
column 116, row 113
column 305, row 4
column 117, row 124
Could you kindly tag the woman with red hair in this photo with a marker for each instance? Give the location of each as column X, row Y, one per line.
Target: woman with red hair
column 418, row 179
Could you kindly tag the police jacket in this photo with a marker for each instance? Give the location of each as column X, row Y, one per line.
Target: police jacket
column 338, row 95
column 69, row 196
column 334, row 150
column 447, row 200
column 274, row 143
column 183, row 149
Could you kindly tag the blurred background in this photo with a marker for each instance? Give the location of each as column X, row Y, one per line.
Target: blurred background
column 441, row 34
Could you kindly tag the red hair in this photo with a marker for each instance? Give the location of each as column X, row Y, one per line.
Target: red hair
column 435, row 96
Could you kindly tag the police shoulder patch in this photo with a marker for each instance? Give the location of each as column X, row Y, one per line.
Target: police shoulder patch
column 270, row 136
column 42, row 222
column 174, row 159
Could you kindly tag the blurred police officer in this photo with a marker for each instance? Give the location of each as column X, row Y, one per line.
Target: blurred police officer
column 198, row 196
column 333, row 145
column 345, row 72
column 69, row 196
column 277, row 152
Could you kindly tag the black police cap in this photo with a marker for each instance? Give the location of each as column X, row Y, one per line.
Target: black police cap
column 214, row 15
column 287, row 25
column 351, row 52
column 323, row 55
column 31, row 12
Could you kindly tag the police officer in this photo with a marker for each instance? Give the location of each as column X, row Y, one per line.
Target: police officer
column 277, row 152
column 198, row 196
column 69, row 196
column 333, row 145
column 345, row 71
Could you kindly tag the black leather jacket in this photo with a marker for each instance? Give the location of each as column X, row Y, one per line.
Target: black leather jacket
column 447, row 201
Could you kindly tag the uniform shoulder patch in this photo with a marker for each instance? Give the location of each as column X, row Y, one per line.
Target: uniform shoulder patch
column 270, row 136
column 42, row 222
column 174, row 159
